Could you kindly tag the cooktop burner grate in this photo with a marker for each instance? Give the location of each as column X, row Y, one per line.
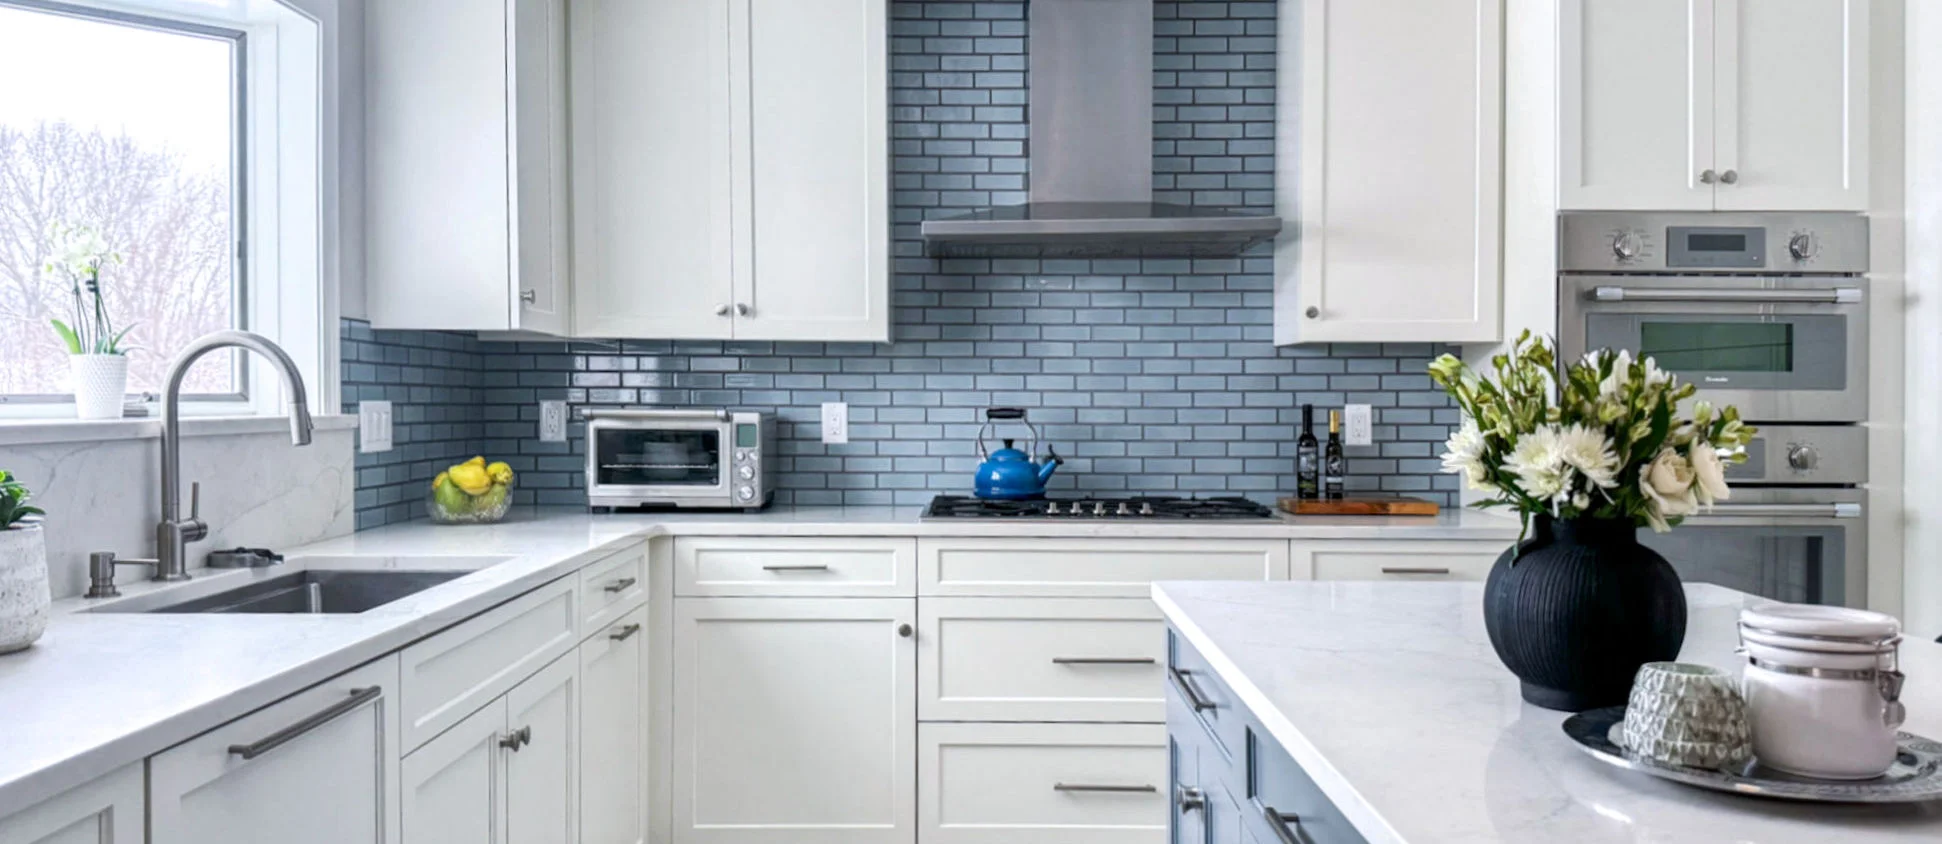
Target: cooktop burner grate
column 1133, row 509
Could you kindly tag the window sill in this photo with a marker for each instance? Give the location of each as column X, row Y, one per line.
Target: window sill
column 17, row 432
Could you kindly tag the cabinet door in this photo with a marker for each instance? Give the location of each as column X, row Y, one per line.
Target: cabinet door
column 1792, row 104
column 454, row 788
column 652, row 195
column 1398, row 240
column 543, row 772
column 812, row 133
column 613, row 734
column 537, row 80
column 106, row 811
column 1635, row 104
column 255, row 779
column 794, row 721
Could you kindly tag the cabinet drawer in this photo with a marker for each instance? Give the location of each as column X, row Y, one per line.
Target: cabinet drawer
column 610, row 588
column 109, row 810
column 847, row 567
column 452, row 674
column 1281, row 794
column 1208, row 701
column 1041, row 659
column 1102, row 568
column 1042, row 784
column 1396, row 560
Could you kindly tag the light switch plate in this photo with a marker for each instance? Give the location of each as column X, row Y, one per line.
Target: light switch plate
column 1358, row 425
column 373, row 426
column 552, row 421
column 836, row 422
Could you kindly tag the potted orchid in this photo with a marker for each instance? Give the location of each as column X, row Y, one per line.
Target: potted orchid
column 24, row 595
column 97, row 357
column 1588, row 455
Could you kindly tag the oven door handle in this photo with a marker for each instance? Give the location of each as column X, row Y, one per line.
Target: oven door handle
column 1841, row 510
column 1834, row 296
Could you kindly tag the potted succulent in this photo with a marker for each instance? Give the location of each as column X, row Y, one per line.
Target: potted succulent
column 24, row 595
column 1587, row 455
column 97, row 358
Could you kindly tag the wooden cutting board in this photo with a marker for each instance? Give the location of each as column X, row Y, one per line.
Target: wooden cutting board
column 1368, row 505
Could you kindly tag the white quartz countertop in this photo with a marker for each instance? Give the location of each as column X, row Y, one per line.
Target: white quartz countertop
column 102, row 690
column 1390, row 697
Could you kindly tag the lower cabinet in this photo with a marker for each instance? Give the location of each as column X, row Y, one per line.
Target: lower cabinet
column 613, row 733
column 794, row 721
column 258, row 778
column 108, row 810
column 505, row 774
column 1042, row 783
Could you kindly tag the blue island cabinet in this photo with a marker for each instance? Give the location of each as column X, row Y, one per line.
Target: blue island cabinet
column 1231, row 782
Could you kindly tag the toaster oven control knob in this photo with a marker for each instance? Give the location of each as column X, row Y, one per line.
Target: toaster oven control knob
column 1626, row 245
column 1802, row 246
column 1803, row 457
column 746, row 473
column 746, row 493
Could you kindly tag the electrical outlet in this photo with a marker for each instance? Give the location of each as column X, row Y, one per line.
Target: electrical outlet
column 1359, row 424
column 836, row 422
column 552, row 421
column 373, row 426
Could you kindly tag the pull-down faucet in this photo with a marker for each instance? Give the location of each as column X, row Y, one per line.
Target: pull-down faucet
column 174, row 533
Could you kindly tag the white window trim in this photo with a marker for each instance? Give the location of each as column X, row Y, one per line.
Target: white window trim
column 291, row 203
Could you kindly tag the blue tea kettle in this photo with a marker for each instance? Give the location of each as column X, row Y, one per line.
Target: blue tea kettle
column 1008, row 473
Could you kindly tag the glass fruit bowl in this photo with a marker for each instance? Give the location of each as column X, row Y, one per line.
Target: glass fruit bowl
column 471, row 494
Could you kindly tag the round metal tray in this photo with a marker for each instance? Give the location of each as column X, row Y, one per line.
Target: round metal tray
column 1915, row 777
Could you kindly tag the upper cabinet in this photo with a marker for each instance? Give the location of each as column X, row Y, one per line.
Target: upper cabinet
column 731, row 170
column 1714, row 104
column 1390, row 158
column 466, row 218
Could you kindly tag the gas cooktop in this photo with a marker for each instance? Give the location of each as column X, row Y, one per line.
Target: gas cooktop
column 1155, row 508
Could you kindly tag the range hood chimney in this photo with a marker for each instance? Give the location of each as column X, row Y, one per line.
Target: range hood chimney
column 1091, row 160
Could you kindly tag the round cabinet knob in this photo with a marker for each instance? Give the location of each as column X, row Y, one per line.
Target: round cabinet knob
column 721, row 310
column 742, row 309
column 1730, row 177
column 1626, row 245
column 905, row 630
column 746, row 473
column 529, row 296
column 746, row 493
column 1708, row 177
column 1804, row 458
column 1313, row 312
column 1802, row 246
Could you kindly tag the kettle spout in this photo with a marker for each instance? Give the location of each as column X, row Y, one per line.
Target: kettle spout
column 1051, row 464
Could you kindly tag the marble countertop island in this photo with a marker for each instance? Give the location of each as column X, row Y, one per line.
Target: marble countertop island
column 1390, row 697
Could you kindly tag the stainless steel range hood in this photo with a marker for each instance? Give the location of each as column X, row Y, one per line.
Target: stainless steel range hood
column 1091, row 159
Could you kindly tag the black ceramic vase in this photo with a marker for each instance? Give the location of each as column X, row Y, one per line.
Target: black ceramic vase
column 1577, row 613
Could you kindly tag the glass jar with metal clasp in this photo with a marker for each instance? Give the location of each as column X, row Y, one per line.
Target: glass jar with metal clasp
column 1823, row 689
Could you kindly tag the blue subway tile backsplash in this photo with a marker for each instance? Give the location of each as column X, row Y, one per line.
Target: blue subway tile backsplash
column 1149, row 375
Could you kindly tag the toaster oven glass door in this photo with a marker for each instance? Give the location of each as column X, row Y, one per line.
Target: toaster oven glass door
column 659, row 457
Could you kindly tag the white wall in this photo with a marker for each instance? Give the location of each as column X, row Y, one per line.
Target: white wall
column 1922, row 505
column 350, row 157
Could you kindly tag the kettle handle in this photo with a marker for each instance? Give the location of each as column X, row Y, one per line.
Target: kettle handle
column 996, row 414
column 1007, row 414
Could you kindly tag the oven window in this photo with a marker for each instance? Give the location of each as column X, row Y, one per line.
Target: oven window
column 1792, row 563
column 659, row 458
column 1719, row 346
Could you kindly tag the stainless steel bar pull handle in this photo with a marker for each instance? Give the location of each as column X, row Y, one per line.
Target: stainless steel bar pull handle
column 1415, row 570
column 620, row 585
column 1278, row 823
column 1104, row 660
column 1105, row 789
column 817, row 567
column 358, row 698
column 1843, row 510
column 1187, row 690
column 1835, row 296
column 624, row 633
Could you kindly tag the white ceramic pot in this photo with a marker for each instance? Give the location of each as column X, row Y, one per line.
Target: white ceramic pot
column 100, row 385
column 23, row 587
column 1822, row 689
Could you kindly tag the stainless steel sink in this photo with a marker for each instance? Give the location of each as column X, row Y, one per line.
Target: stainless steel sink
column 315, row 592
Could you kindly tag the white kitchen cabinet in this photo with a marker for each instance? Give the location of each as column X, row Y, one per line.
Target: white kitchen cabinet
column 1393, row 559
column 1040, row 659
column 257, row 778
column 466, row 217
column 1042, row 783
column 613, row 733
column 1045, row 567
column 731, row 169
column 109, row 810
column 1714, row 104
column 506, row 773
column 794, row 721
column 1399, row 239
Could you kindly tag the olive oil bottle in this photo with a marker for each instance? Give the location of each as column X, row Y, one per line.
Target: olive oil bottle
column 1335, row 468
column 1308, row 457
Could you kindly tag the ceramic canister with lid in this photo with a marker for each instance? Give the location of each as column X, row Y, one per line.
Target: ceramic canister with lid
column 1823, row 688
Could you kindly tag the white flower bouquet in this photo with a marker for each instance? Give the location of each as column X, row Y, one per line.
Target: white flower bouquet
column 1613, row 444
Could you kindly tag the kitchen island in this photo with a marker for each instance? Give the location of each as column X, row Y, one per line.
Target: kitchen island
column 1378, row 712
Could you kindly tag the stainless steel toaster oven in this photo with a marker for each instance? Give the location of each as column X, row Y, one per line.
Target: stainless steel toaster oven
column 700, row 458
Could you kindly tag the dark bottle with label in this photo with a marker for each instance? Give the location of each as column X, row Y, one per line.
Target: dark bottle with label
column 1308, row 457
column 1334, row 466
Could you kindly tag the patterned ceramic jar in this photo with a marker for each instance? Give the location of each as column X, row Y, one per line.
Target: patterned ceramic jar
column 1685, row 714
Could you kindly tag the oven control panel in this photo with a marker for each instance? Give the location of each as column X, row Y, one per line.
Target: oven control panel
column 1713, row 242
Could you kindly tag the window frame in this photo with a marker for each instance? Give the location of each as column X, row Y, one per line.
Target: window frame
column 238, row 400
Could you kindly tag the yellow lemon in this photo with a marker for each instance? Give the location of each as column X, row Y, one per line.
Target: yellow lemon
column 472, row 479
column 500, row 473
column 438, row 481
column 476, row 461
